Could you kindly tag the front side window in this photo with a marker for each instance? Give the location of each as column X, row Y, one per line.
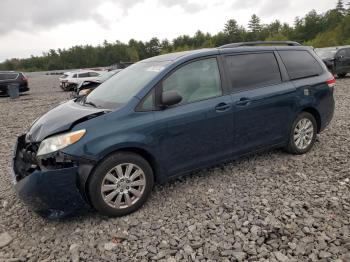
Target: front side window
column 300, row 64
column 148, row 104
column 248, row 71
column 195, row 81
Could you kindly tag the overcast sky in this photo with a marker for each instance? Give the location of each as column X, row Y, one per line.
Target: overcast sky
column 29, row 27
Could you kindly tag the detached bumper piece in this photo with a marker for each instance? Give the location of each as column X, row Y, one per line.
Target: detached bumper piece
column 51, row 190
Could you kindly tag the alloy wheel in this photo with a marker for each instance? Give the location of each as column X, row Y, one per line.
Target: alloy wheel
column 303, row 133
column 123, row 185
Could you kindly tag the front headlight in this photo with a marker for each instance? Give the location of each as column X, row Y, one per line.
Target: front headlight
column 85, row 92
column 58, row 142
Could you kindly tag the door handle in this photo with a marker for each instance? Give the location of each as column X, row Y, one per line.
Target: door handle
column 222, row 107
column 243, row 101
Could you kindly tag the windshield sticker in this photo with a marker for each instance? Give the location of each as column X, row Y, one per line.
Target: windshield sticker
column 155, row 68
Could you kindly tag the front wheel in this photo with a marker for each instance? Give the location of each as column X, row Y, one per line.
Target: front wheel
column 121, row 184
column 303, row 134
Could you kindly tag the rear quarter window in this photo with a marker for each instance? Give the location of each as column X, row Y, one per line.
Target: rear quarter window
column 300, row 64
column 248, row 71
column 342, row 53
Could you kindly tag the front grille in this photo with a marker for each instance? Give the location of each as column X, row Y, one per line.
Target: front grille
column 29, row 153
column 25, row 161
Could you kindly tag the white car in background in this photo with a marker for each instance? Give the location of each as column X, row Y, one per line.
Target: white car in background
column 70, row 80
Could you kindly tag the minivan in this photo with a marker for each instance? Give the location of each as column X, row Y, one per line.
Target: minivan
column 167, row 116
column 337, row 59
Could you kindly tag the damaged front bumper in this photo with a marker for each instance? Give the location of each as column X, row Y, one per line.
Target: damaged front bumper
column 53, row 186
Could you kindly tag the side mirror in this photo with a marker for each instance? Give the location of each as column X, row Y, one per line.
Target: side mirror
column 171, row 98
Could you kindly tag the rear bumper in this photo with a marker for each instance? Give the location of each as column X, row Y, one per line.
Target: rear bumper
column 328, row 115
column 53, row 193
column 23, row 87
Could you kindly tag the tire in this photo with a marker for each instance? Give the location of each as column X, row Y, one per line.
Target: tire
column 296, row 146
column 65, row 88
column 106, row 184
column 341, row 75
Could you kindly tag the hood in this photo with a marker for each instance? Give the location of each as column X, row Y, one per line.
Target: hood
column 60, row 119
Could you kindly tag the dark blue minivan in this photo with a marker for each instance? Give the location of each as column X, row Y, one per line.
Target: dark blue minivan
column 167, row 116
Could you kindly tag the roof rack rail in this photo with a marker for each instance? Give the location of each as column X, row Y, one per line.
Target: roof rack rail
column 289, row 43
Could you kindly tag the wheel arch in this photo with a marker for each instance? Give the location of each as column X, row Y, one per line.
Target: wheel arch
column 143, row 153
column 314, row 112
column 136, row 150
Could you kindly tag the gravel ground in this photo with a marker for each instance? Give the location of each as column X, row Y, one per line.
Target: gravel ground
column 267, row 207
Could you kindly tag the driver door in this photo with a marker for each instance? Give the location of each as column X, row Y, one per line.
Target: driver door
column 199, row 130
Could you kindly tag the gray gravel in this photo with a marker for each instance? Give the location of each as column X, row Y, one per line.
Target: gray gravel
column 267, row 207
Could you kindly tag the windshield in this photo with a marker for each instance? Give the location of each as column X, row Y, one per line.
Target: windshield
column 119, row 89
column 326, row 52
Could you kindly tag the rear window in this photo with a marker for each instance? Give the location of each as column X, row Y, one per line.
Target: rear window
column 300, row 64
column 249, row 71
column 8, row 76
column 342, row 53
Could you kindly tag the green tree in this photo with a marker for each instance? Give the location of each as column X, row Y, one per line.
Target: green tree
column 254, row 24
column 133, row 54
column 234, row 32
column 166, row 46
column 254, row 28
column 319, row 30
column 340, row 7
column 153, row 47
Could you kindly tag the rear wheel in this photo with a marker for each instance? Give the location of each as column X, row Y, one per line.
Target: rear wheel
column 341, row 75
column 121, row 184
column 303, row 134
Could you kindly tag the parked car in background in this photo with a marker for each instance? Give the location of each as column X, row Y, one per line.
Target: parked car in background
column 10, row 77
column 71, row 80
column 85, row 87
column 337, row 59
column 168, row 116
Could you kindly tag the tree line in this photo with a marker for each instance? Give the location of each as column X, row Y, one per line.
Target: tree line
column 318, row 30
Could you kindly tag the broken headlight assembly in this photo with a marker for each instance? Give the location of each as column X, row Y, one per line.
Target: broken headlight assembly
column 57, row 142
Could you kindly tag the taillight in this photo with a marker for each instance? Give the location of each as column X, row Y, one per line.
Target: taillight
column 24, row 78
column 331, row 82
